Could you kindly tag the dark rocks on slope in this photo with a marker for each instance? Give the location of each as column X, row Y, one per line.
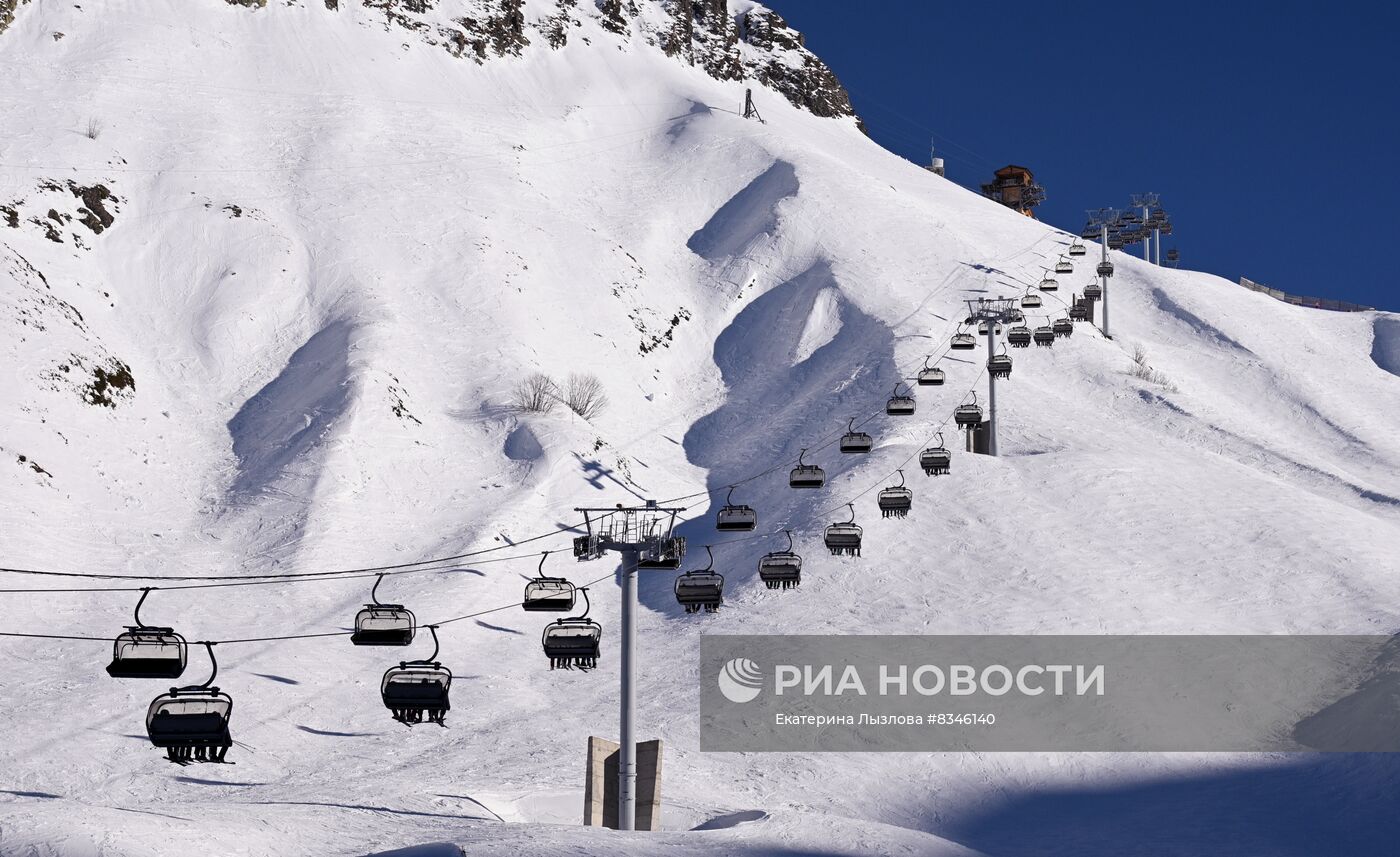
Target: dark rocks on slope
column 614, row 20
column 813, row 86
column 109, row 383
column 757, row 44
column 706, row 35
column 94, row 215
column 716, row 40
column 7, row 12
column 502, row 30
column 680, row 36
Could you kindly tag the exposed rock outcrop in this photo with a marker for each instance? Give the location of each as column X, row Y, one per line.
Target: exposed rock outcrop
column 555, row 28
column 716, row 37
column 809, row 83
column 758, row 44
column 615, row 14
column 94, row 215
column 726, row 39
column 7, row 12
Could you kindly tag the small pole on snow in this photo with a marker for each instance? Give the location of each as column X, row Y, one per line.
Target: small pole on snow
column 751, row 112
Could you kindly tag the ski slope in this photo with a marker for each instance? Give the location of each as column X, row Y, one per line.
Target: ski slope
column 334, row 252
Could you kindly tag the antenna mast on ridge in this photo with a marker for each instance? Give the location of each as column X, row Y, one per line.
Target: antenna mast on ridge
column 935, row 163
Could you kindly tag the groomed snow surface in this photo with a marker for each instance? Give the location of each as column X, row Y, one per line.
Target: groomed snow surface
column 336, row 252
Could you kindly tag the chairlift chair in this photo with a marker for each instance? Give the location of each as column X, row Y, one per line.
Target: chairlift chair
column 383, row 624
column 931, row 376
column 549, row 595
column 844, row 538
column 1064, row 266
column 896, row 500
column 936, row 460
column 1062, row 327
column 1030, row 301
column 417, row 690
column 1019, row 336
column 1048, row 283
column 1093, row 291
column 968, row 415
column 191, row 723
column 733, row 518
column 999, row 365
column 701, row 589
column 1044, row 335
column 900, row 404
column 544, row 594
column 963, row 341
column 806, row 475
column 1105, row 268
column 147, row 651
column 1077, row 248
column 1079, row 312
column 983, row 328
column 573, row 641
column 855, row 442
column 781, row 569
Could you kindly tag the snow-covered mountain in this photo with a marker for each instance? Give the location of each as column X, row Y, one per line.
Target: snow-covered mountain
column 272, row 273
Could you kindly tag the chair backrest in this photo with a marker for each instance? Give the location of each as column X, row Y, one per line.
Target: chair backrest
column 149, row 643
column 175, row 706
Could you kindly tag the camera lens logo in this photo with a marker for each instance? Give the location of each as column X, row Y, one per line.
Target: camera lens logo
column 740, row 680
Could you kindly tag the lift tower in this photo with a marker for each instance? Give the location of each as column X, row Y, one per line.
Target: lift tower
column 993, row 312
column 645, row 537
column 1145, row 202
column 1104, row 220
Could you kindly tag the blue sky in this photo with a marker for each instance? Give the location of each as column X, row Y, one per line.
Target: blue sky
column 1269, row 129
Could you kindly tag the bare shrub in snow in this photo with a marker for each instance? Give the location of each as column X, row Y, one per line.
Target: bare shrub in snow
column 1143, row 371
column 537, row 394
column 93, row 130
column 585, row 396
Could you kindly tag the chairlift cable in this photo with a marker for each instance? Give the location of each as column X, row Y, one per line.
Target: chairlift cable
column 345, row 572
column 917, row 449
column 445, row 569
column 824, row 441
column 307, row 636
